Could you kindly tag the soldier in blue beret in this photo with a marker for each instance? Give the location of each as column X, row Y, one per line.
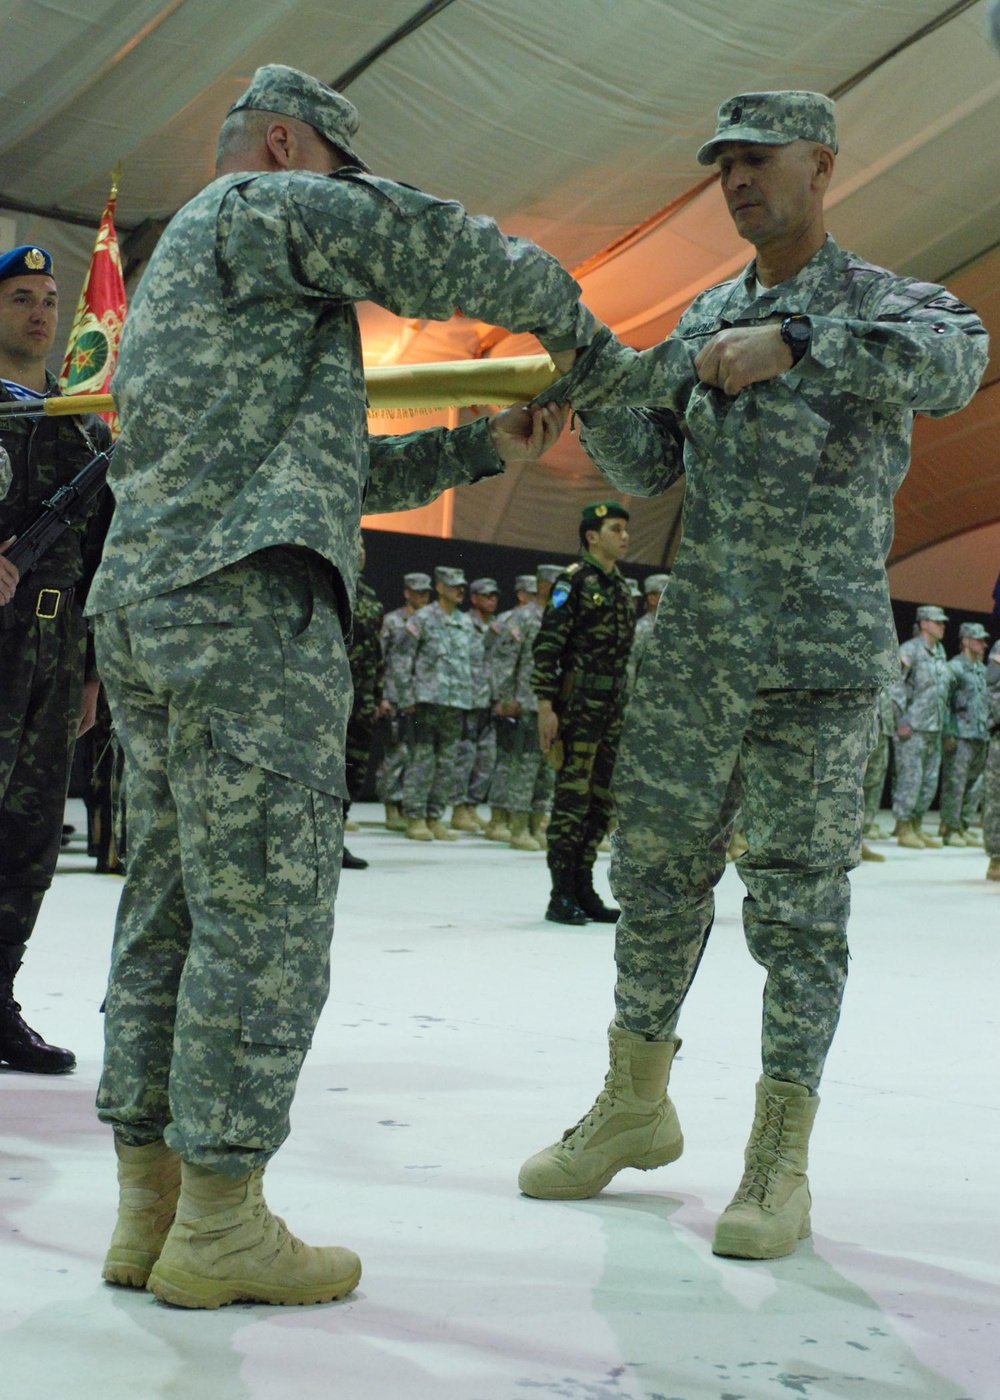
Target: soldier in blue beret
column 48, row 680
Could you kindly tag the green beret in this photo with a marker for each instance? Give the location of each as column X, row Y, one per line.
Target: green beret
column 773, row 119
column 598, row 511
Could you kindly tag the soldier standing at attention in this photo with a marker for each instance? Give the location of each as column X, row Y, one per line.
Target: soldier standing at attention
column 498, row 826
column 920, row 697
column 653, row 587
column 991, row 777
column 437, row 657
column 222, row 602
column 364, row 657
column 964, row 759
column 786, row 395
column 580, row 678
column 389, row 779
column 48, row 681
column 477, row 749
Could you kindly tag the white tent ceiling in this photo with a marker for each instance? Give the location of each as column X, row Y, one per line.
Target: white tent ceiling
column 571, row 121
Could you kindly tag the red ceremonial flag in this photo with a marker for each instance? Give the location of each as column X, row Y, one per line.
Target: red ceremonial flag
column 97, row 325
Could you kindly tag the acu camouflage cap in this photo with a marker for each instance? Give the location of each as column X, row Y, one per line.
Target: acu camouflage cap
column 929, row 613
column 484, row 586
column 292, row 93
column 773, row 119
column 548, row 573
column 451, row 578
column 526, row 583
column 976, row 630
column 419, row 583
column 656, row 583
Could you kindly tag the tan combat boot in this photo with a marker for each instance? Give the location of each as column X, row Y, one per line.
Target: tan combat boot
column 497, row 828
column 906, row 836
column 418, row 830
column 993, row 869
column 394, row 819
column 538, row 825
column 521, row 838
column 439, row 832
column 868, row 854
column 632, row 1124
column 931, row 842
column 225, row 1246
column 149, row 1179
column 770, row 1212
column 462, row 818
column 951, row 837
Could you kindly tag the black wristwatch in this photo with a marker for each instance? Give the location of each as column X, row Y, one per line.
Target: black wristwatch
column 796, row 332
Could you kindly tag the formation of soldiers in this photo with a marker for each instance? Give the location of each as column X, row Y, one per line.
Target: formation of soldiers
column 457, row 692
column 940, row 722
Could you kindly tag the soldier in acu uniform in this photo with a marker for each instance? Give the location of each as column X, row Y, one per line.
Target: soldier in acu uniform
column 477, row 749
column 580, row 678
column 48, row 682
column 964, row 759
column 920, row 697
column 222, row 604
column 786, row 395
column 389, row 779
column 653, row 587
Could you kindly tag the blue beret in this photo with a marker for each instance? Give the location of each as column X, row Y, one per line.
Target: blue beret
column 24, row 261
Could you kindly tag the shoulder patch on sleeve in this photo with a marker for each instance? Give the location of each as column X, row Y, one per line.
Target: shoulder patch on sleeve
column 560, row 593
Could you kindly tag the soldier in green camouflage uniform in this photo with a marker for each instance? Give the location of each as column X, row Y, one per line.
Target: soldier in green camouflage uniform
column 48, row 683
column 367, row 666
column 580, row 678
column 991, row 777
column 920, row 696
column 963, row 761
column 476, row 757
column 392, row 769
column 222, row 604
column 787, row 398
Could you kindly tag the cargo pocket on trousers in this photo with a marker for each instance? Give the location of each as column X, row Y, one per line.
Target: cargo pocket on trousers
column 275, row 822
column 272, row 1046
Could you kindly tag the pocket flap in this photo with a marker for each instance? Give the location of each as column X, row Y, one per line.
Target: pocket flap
column 275, row 1028
column 311, row 762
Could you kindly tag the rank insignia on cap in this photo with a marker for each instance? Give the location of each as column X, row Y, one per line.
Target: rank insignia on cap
column 34, row 259
column 601, row 512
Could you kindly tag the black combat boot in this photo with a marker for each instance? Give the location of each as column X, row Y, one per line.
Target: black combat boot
column 563, row 908
column 590, row 901
column 351, row 862
column 21, row 1047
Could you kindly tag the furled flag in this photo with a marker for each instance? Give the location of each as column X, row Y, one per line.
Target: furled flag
column 97, row 325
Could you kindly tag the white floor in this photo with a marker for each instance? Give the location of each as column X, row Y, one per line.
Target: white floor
column 462, row 1034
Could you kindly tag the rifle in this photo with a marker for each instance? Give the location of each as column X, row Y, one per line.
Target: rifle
column 66, row 508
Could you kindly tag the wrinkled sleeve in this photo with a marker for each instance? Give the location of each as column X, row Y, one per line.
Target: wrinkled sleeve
column 918, row 347
column 639, row 450
column 411, row 469
column 360, row 237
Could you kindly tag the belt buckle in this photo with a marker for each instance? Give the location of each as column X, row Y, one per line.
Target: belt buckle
column 54, row 595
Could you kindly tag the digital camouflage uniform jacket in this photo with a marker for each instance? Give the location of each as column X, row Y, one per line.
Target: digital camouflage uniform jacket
column 438, row 656
column 788, row 495
column 967, row 705
column 512, row 661
column 582, row 647
column 244, row 442
column 921, row 693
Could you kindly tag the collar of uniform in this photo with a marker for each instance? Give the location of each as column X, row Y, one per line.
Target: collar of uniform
column 795, row 293
column 590, row 559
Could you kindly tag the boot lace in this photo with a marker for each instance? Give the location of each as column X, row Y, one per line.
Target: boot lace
column 765, row 1154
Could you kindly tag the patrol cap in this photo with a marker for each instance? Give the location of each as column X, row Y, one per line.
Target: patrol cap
column 25, row 261
column 655, row 583
column 773, row 119
column 526, row 583
column 548, row 573
column 928, row 613
column 420, row 583
column 598, row 511
column 451, row 578
column 292, row 93
column 975, row 630
column 484, row 586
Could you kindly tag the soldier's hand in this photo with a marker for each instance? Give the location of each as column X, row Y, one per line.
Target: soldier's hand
column 88, row 707
column 949, row 745
column 8, row 573
column 524, row 432
column 903, row 731
column 548, row 725
column 743, row 355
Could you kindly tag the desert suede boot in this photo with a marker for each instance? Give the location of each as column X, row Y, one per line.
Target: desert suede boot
column 225, row 1246
column 907, row 836
column 632, row 1124
column 770, row 1212
column 149, row 1181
